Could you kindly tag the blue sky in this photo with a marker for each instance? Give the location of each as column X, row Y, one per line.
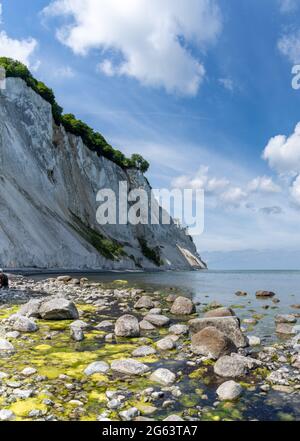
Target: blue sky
column 199, row 87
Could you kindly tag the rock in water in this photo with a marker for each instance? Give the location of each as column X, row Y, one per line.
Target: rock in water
column 220, row 312
column 212, row 343
column 144, row 351
column 144, row 302
column 127, row 326
column 129, row 367
column 230, row 390
column 285, row 318
column 265, row 294
column 230, row 367
column 6, row 346
column 230, row 326
column 165, row 344
column 285, row 329
column 183, row 306
column 58, row 308
column 179, row 329
column 163, row 376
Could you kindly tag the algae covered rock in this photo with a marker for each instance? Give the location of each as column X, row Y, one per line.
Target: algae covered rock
column 127, row 326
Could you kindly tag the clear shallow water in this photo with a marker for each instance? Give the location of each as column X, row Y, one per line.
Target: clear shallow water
column 220, row 286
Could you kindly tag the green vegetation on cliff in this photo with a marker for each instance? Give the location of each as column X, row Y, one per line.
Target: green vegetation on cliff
column 93, row 140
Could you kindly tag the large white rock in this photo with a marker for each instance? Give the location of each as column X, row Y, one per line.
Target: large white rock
column 98, row 367
column 163, row 376
column 230, row 390
column 129, row 367
column 127, row 326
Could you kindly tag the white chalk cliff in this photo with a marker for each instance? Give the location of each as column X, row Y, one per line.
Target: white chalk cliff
column 48, row 185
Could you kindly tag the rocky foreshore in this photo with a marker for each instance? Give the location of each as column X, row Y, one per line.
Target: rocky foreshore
column 75, row 350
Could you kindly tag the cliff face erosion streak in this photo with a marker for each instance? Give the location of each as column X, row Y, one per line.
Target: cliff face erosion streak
column 48, row 185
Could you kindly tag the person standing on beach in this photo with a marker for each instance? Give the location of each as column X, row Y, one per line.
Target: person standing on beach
column 3, row 279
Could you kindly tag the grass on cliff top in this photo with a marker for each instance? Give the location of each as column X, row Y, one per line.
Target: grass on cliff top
column 93, row 140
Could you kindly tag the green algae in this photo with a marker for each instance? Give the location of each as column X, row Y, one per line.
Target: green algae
column 198, row 373
column 22, row 408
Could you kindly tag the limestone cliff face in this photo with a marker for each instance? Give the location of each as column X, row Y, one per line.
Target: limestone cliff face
column 48, row 185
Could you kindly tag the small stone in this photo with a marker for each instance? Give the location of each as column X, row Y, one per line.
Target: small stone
column 6, row 346
column 127, row 326
column 157, row 320
column 230, row 367
column 105, row 324
column 230, row 390
column 241, row 294
column 129, row 367
column 163, row 376
column 253, row 341
column 27, row 372
column 97, row 367
column 165, row 344
column 179, row 329
column 76, row 333
column 6, row 415
column 143, row 351
column 183, row 306
column 12, row 334
column 250, row 321
column 129, row 414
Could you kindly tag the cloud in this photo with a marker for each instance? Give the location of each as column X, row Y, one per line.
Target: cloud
column 289, row 45
column 201, row 180
column 283, row 153
column 287, row 6
column 263, row 184
column 227, row 83
column 20, row 50
column 146, row 40
column 295, row 190
column 64, row 72
column 271, row 210
column 233, row 196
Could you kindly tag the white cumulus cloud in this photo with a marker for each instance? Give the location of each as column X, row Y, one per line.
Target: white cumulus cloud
column 295, row 190
column 283, row 153
column 146, row 40
column 201, row 180
column 20, row 50
column 263, row 184
column 233, row 196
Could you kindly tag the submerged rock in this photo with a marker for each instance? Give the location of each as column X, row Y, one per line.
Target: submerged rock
column 285, row 329
column 163, row 376
column 127, row 326
column 129, row 367
column 183, row 306
column 212, row 343
column 230, row 390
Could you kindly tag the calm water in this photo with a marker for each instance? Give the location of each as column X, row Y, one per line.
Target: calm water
column 220, row 286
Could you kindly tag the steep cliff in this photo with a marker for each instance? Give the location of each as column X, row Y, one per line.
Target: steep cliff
column 48, row 185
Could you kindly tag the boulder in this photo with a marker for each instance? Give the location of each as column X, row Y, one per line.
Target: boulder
column 127, row 326
column 163, row 377
column 58, row 308
column 183, row 306
column 64, row 279
column 265, row 294
column 212, row 343
column 179, row 329
column 229, row 391
column 230, row 326
column 165, row 344
column 144, row 302
column 129, row 367
column 157, row 320
column 98, row 367
column 21, row 323
column 230, row 367
column 220, row 312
